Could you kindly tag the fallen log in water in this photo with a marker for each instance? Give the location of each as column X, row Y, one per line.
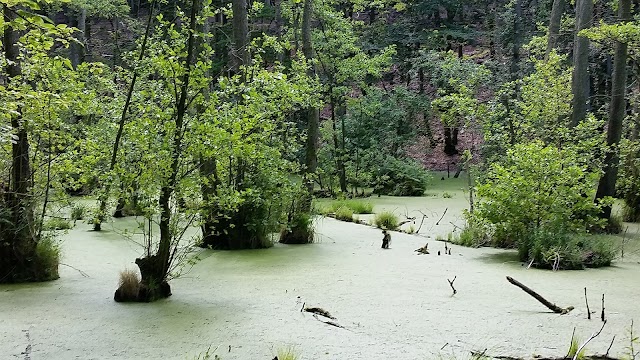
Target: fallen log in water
column 553, row 307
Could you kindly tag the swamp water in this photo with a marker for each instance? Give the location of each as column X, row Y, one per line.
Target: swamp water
column 393, row 304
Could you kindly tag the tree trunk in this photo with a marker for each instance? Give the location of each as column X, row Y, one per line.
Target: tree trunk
column 240, row 53
column 517, row 40
column 154, row 269
column 617, row 111
column 312, row 114
column 338, row 149
column 77, row 47
column 18, row 241
column 554, row 24
column 580, row 80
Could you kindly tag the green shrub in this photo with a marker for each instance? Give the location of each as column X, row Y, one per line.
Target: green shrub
column 48, row 257
column 299, row 230
column 555, row 248
column 360, row 207
column 344, row 213
column 404, row 177
column 538, row 186
column 386, row 220
column 474, row 234
column 356, row 206
column 78, row 212
column 57, row 224
column 446, row 195
column 540, row 201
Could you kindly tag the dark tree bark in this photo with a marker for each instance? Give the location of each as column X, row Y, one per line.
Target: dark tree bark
column 19, row 261
column 617, row 112
column 554, row 24
column 580, row 80
column 77, row 48
column 517, row 40
column 240, row 53
column 338, row 147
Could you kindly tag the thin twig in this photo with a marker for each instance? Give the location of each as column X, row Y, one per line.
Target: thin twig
column 424, row 216
column 610, row 345
column 588, row 340
column 76, row 269
column 451, row 284
column 443, row 214
column 602, row 313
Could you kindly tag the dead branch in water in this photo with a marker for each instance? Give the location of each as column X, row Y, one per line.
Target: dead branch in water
column 442, row 217
column 423, row 250
column 586, row 300
column 535, row 295
column 319, row 311
column 610, row 345
column 588, row 340
column 451, row 284
column 424, row 216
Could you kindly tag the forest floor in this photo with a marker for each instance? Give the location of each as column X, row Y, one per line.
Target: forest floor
column 393, row 304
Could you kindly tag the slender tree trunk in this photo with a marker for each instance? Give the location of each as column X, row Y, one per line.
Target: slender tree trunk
column 339, row 156
column 102, row 208
column 554, row 24
column 312, row 114
column 580, row 81
column 155, row 268
column 617, row 111
column 517, row 40
column 19, row 261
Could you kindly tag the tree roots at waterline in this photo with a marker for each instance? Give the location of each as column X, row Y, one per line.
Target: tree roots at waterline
column 28, row 261
column 150, row 288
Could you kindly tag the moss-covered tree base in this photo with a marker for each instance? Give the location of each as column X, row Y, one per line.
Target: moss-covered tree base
column 29, row 273
column 34, row 263
column 296, row 236
column 143, row 293
column 152, row 287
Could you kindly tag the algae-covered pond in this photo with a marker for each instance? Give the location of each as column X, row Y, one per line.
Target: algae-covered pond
column 393, row 304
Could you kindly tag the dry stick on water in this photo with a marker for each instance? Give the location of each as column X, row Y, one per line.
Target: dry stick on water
column 602, row 313
column 606, row 355
column 575, row 356
column 451, row 284
column 445, row 211
column 587, row 302
column 424, row 216
column 553, row 307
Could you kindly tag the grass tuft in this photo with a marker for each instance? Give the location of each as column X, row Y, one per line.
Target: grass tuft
column 57, row 224
column 344, row 213
column 386, row 220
